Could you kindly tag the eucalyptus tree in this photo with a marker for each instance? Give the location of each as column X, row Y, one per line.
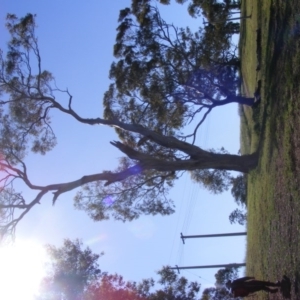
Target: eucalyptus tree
column 239, row 193
column 238, row 216
column 225, row 274
column 217, row 293
column 165, row 77
column 213, row 9
column 72, row 271
column 155, row 153
column 169, row 286
column 219, row 16
column 220, row 291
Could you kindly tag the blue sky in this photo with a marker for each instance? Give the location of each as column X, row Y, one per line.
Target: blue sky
column 76, row 40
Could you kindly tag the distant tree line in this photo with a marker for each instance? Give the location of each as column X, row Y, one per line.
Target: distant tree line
column 74, row 274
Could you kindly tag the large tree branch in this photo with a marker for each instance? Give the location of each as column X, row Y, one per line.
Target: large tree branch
column 165, row 141
column 208, row 161
column 145, row 162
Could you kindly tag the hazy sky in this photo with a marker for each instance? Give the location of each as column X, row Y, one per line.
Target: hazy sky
column 76, row 40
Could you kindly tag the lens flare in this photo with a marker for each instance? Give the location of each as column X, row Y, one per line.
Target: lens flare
column 136, row 169
column 22, row 269
column 108, row 201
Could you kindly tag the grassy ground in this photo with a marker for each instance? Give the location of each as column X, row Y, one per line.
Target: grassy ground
column 273, row 129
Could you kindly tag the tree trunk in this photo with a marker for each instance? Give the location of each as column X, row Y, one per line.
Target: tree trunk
column 228, row 162
column 201, row 160
column 235, row 99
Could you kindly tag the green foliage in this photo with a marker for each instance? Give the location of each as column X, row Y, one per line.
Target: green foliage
column 175, row 287
column 113, row 287
column 214, row 11
column 216, row 181
column 126, row 200
column 74, row 274
column 8, row 196
column 214, row 293
column 239, row 189
column 220, row 292
column 223, row 275
column 165, row 75
column 238, row 216
column 169, row 286
column 72, row 271
column 239, row 193
column 24, row 109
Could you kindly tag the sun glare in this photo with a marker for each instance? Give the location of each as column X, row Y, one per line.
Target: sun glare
column 21, row 270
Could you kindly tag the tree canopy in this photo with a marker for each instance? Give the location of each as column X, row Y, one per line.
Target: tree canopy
column 72, row 271
column 220, row 291
column 213, row 10
column 166, row 77
column 225, row 274
column 74, row 274
column 239, row 193
column 155, row 152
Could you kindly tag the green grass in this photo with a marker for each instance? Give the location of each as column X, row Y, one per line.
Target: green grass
column 273, row 129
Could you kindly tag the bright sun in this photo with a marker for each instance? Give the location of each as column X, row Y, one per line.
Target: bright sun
column 21, row 270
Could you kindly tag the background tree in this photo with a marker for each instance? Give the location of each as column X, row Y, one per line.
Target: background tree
column 220, row 291
column 155, row 154
column 239, row 193
column 218, row 181
column 114, row 287
column 238, row 216
column 72, row 271
column 239, row 189
column 170, row 286
column 74, row 274
column 175, row 286
column 225, row 274
column 215, row 293
column 218, row 15
column 215, row 10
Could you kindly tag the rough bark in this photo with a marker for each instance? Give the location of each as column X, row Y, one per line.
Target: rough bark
column 199, row 160
column 235, row 99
